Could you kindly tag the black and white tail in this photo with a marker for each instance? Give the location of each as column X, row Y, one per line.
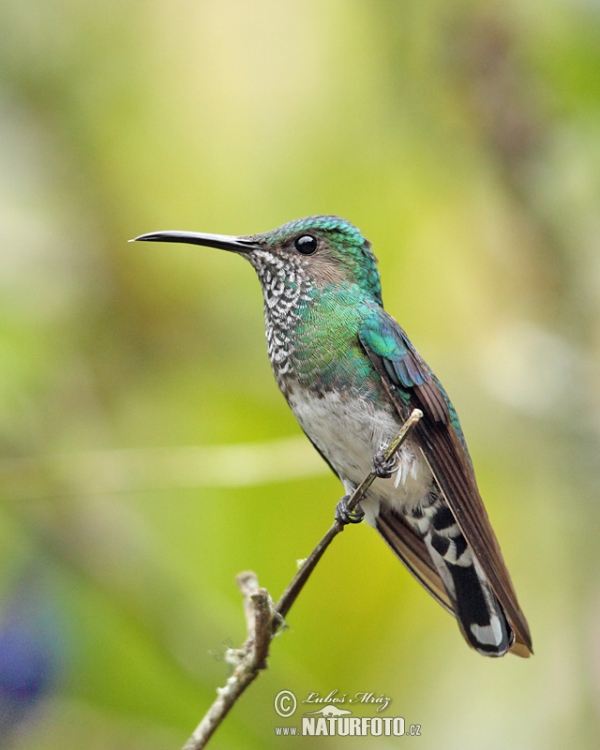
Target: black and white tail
column 436, row 552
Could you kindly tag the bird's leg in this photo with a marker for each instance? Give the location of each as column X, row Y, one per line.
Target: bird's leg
column 384, row 467
column 345, row 516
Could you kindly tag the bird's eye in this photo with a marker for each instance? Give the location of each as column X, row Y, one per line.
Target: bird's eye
column 306, row 244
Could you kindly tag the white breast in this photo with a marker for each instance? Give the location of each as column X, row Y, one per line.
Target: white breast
column 348, row 433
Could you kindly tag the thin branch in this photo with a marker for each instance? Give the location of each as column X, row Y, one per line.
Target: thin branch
column 264, row 619
column 248, row 661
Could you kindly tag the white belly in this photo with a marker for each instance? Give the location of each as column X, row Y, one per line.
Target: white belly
column 348, row 433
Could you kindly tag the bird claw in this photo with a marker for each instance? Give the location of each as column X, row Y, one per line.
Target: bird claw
column 384, row 467
column 345, row 516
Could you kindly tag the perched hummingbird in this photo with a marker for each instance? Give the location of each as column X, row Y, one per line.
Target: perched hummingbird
column 351, row 376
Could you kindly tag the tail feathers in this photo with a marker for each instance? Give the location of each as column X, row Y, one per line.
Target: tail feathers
column 481, row 618
column 431, row 545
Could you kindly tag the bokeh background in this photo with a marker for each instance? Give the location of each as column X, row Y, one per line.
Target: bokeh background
column 147, row 455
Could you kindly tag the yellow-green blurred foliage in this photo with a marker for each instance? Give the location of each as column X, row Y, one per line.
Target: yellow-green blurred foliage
column 464, row 140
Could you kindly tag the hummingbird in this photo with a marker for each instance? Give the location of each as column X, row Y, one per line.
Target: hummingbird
column 351, row 377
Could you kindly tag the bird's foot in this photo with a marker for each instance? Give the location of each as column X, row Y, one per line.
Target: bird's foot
column 345, row 516
column 384, row 467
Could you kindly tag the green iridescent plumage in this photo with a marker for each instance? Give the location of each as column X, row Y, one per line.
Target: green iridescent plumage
column 331, row 356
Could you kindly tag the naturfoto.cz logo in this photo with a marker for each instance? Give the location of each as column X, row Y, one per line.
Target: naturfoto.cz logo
column 333, row 721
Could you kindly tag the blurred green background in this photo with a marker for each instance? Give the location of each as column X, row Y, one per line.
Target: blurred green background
column 147, row 455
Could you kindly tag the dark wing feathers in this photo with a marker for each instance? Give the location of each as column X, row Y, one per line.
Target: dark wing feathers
column 433, row 402
column 411, row 384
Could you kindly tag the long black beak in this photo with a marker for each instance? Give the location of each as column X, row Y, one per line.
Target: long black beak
column 222, row 241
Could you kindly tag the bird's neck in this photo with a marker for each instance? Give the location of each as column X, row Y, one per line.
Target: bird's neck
column 312, row 336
